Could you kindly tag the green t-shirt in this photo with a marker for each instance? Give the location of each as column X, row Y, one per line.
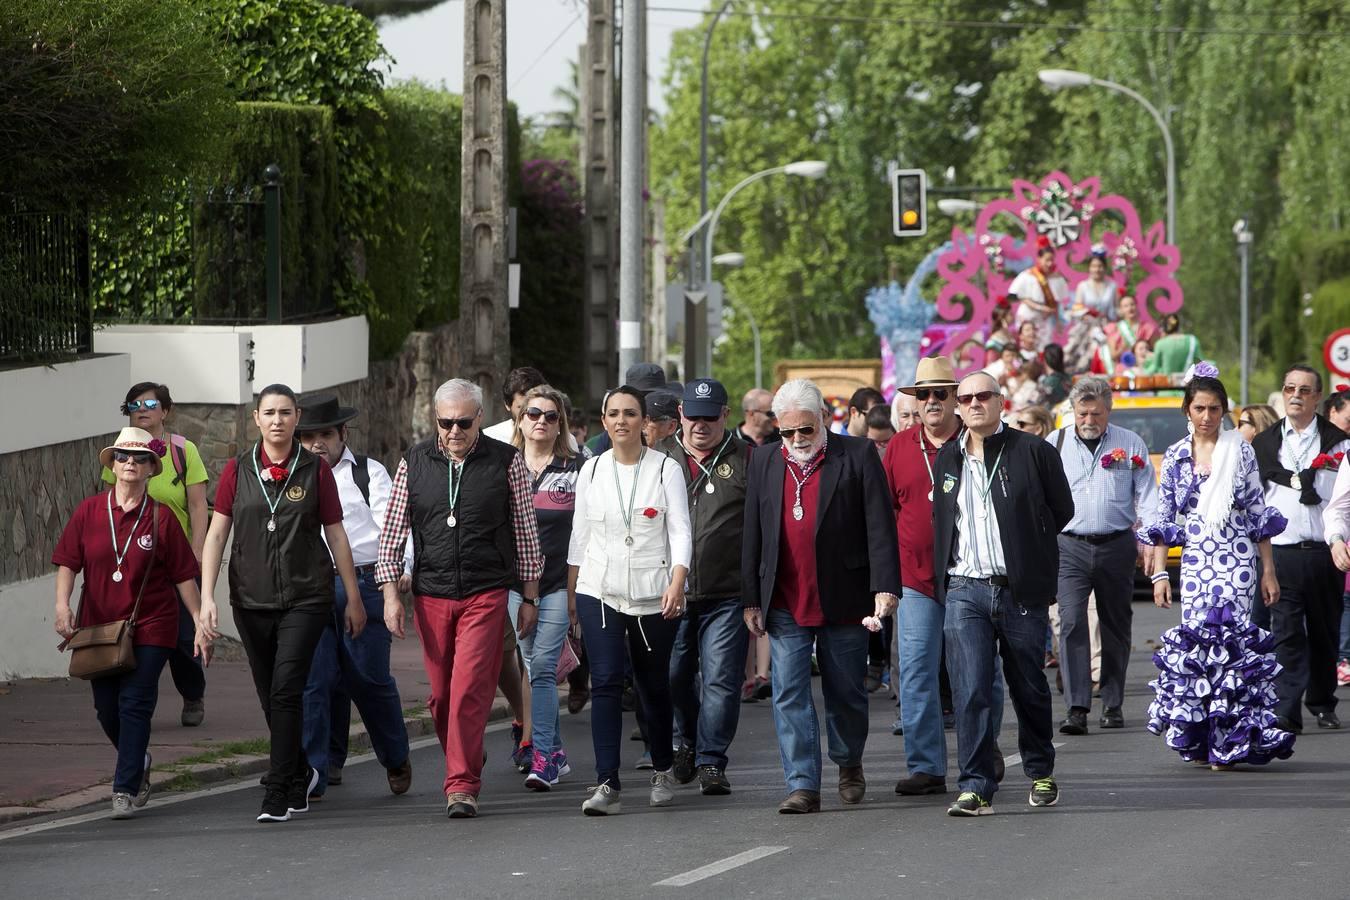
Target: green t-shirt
column 174, row 496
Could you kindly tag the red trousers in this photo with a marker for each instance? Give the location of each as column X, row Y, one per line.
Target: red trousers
column 462, row 651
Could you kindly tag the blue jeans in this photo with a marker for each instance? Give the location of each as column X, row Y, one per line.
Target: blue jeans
column 709, row 653
column 346, row 671
column 982, row 623
column 919, row 632
column 841, row 652
column 648, row 640
column 189, row 677
column 125, row 705
column 540, row 651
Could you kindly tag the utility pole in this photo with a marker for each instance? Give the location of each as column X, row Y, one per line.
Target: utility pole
column 597, row 147
column 484, row 323
column 631, row 216
column 1244, row 246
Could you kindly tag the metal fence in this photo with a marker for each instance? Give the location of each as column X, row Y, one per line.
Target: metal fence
column 44, row 286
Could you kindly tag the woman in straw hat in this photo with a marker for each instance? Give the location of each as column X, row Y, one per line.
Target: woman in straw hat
column 127, row 546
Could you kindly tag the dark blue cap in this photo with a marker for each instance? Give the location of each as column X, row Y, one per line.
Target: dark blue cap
column 704, row 397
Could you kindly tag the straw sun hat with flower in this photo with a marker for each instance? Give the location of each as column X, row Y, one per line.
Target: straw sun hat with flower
column 133, row 440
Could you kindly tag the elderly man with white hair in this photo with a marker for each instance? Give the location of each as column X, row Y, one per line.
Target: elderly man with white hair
column 1113, row 486
column 469, row 504
column 819, row 560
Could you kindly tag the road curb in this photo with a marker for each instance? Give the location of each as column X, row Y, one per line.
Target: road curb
column 419, row 725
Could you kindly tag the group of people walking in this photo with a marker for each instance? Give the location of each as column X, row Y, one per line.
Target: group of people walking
column 660, row 558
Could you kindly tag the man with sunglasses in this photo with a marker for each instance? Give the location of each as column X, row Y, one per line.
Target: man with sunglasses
column 910, row 465
column 760, row 425
column 1307, row 620
column 819, row 557
column 469, row 504
column 1000, row 500
column 710, row 647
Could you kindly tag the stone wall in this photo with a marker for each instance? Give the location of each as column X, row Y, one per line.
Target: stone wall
column 39, row 489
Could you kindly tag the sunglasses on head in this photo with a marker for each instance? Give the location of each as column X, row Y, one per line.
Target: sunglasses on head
column 978, row 397
column 125, row 456
column 805, row 431
column 922, row 394
column 134, row 405
column 534, row 414
column 463, row 424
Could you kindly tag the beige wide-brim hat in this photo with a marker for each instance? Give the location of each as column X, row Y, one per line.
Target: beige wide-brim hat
column 933, row 371
column 136, row 439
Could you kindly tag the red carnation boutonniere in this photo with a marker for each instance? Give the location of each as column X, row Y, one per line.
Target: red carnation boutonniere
column 1328, row 461
column 275, row 473
column 1136, row 462
column 1118, row 459
column 158, row 447
column 651, row 512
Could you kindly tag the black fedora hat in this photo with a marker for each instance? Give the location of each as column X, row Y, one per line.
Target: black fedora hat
column 322, row 411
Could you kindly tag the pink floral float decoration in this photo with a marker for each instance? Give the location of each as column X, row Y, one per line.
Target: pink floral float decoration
column 1072, row 217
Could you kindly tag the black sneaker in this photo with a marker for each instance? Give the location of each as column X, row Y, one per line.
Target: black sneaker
column 1112, row 717
column 274, row 808
column 970, row 804
column 1076, row 723
column 297, row 798
column 684, row 764
column 712, row 781
column 1328, row 720
column 1044, row 792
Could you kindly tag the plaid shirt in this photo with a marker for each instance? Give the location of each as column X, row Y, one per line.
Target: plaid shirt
column 394, row 534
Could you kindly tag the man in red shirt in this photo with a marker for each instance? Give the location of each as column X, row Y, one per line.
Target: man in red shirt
column 818, row 557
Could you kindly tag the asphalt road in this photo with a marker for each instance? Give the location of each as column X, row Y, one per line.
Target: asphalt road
column 1133, row 821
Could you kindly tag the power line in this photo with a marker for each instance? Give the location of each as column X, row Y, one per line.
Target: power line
column 542, row 53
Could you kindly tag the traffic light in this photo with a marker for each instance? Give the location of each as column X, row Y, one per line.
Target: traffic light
column 909, row 202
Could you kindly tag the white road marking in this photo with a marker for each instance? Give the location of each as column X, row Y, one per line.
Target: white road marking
column 717, row 868
column 1017, row 757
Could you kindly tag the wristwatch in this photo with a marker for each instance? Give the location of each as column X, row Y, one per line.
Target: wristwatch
column 533, row 601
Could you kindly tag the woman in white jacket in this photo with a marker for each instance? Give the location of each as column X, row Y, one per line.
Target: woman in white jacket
column 627, row 564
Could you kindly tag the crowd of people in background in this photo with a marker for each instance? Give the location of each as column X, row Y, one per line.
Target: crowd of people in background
column 678, row 565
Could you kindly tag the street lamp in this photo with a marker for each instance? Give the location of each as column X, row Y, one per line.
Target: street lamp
column 1243, row 235
column 736, row 261
column 1055, row 79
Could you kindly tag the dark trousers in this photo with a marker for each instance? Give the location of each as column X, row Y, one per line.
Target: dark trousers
column 706, row 668
column 649, row 640
column 1108, row 570
column 879, row 644
column 125, row 704
column 350, row 670
column 189, row 678
column 280, row 647
column 982, row 623
column 1306, row 623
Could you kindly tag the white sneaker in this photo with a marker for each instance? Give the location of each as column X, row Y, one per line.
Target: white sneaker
column 121, row 805
column 603, row 801
column 143, row 795
column 663, row 788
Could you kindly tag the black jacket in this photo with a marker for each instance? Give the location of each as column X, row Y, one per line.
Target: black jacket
column 856, row 548
column 1031, row 501
column 1267, row 447
column 718, row 520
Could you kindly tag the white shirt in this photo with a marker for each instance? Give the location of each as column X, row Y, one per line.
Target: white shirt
column 979, row 543
column 1337, row 514
column 1297, row 451
column 361, row 522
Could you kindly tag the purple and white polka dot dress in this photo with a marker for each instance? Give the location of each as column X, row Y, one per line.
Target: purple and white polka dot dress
column 1215, row 692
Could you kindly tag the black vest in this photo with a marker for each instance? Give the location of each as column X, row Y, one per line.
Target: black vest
column 718, row 521
column 479, row 553
column 288, row 567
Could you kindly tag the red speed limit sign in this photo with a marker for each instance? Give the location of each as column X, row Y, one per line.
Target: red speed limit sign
column 1336, row 352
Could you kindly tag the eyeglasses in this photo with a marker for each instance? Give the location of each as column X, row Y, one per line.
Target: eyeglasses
column 123, row 456
column 1024, row 425
column 703, row 418
column 922, row 394
column 463, row 424
column 134, row 405
column 980, row 397
column 1302, row 390
column 534, row 414
column 805, row 431
column 764, row 412
column 1246, row 423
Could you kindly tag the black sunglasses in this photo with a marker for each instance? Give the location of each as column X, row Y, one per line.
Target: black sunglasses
column 804, row 431
column 922, row 394
column 463, row 424
column 703, row 418
column 534, row 414
column 139, row 459
column 980, row 397
column 765, row 412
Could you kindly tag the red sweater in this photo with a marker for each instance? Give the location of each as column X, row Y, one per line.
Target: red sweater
column 910, row 486
column 796, row 588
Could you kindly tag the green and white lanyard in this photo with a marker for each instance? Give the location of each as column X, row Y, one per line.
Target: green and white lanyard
column 710, row 467
column 452, row 487
column 112, row 526
column 632, row 496
column 271, row 504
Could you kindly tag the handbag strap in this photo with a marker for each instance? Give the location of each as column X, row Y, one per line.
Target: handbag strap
column 154, row 550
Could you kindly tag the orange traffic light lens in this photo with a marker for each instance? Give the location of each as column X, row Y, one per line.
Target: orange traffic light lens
column 909, row 217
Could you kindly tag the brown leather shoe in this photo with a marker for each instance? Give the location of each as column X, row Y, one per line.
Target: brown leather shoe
column 921, row 783
column 400, row 778
column 852, row 785
column 799, row 803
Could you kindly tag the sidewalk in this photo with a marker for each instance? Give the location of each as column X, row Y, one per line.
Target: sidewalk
column 54, row 757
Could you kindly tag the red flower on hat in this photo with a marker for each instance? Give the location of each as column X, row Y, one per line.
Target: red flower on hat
column 1042, row 243
column 158, row 447
column 651, row 512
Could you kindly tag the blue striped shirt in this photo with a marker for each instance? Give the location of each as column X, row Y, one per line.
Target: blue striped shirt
column 1106, row 500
